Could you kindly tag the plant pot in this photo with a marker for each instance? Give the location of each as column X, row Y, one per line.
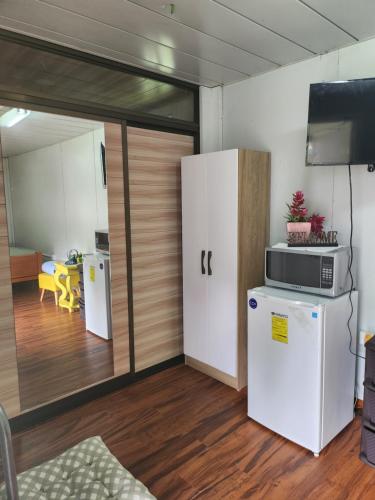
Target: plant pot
column 299, row 227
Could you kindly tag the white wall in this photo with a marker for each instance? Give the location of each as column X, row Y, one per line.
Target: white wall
column 57, row 196
column 211, row 119
column 269, row 112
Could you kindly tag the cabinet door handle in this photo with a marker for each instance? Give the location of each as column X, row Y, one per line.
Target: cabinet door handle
column 209, row 255
column 203, row 254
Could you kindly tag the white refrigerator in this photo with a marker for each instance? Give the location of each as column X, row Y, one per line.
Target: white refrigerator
column 97, row 292
column 301, row 374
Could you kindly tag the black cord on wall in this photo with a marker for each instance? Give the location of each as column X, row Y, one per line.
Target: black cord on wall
column 350, row 264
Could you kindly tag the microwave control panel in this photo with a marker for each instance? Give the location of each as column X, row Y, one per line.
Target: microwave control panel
column 326, row 273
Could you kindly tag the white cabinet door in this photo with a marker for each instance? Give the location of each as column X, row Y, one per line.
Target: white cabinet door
column 222, row 212
column 194, row 242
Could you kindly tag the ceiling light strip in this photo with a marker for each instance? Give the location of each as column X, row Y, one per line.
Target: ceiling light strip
column 13, row 116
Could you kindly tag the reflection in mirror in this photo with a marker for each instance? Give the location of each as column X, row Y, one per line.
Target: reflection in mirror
column 57, row 217
column 32, row 71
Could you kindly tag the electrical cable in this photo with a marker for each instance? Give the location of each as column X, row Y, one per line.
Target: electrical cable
column 350, row 265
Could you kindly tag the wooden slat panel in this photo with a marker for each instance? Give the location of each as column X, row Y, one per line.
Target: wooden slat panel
column 113, row 142
column 9, row 391
column 155, row 209
column 161, row 245
column 3, row 217
column 117, row 241
column 254, row 175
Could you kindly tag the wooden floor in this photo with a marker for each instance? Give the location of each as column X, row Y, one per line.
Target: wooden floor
column 187, row 436
column 55, row 354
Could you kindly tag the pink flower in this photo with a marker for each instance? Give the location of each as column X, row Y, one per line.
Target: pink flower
column 298, row 197
column 317, row 223
column 294, row 211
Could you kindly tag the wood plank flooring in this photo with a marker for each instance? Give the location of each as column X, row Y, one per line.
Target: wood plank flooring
column 55, row 354
column 187, row 436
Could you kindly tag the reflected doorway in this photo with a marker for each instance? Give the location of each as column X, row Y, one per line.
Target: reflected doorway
column 57, row 217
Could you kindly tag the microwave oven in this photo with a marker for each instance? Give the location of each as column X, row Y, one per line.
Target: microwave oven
column 102, row 241
column 320, row 271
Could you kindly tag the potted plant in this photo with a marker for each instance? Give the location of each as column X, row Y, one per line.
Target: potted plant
column 297, row 218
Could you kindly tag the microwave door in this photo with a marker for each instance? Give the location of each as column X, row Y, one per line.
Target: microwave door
column 294, row 268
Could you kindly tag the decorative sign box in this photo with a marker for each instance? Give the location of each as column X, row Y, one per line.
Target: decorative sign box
column 324, row 239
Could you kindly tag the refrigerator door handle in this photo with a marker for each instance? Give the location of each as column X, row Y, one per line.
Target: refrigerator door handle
column 203, row 254
column 209, row 263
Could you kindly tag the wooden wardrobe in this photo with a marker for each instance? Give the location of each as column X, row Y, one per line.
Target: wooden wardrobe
column 225, row 200
column 144, row 212
column 154, row 165
column 144, row 216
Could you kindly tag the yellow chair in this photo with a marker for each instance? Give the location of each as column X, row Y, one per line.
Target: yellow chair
column 47, row 282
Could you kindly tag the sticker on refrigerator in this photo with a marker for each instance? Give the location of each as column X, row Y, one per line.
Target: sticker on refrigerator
column 92, row 273
column 280, row 327
column 253, row 303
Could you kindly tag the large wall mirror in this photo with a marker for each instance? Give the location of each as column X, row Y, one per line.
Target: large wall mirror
column 63, row 187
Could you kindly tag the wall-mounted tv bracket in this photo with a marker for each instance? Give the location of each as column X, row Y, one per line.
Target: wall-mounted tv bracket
column 371, row 167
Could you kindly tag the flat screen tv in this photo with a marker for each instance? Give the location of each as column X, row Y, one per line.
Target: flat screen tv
column 341, row 124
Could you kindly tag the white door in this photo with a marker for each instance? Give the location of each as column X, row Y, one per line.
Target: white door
column 284, row 366
column 222, row 211
column 194, row 254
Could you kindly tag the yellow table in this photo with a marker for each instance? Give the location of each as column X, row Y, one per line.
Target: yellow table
column 67, row 280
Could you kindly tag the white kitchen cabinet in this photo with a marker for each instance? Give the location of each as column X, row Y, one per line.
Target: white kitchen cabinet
column 225, row 213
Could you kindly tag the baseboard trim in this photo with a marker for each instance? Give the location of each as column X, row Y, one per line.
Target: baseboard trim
column 212, row 372
column 38, row 415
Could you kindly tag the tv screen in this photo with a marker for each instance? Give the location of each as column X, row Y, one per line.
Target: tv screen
column 341, row 124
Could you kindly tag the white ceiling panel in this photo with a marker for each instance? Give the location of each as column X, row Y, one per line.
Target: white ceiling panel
column 56, row 20
column 96, row 49
column 357, row 17
column 294, row 20
column 208, row 42
column 224, row 24
column 133, row 19
column 39, row 130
